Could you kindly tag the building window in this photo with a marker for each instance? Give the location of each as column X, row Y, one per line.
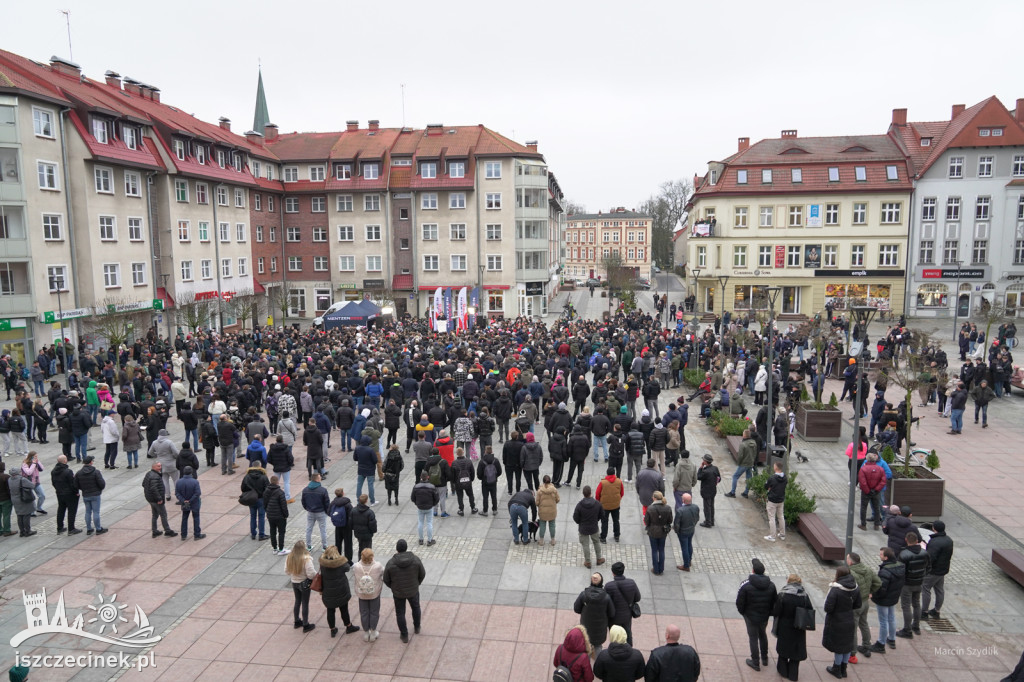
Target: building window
column 130, row 140
column 343, row 171
column 204, row 231
column 492, row 170
column 403, row 244
column 47, row 173
column 860, row 214
column 431, row 263
column 131, row 184
column 741, row 177
column 1020, row 207
column 111, row 275
column 495, row 301
column 766, row 216
column 138, row 274
column 889, row 255
column 492, row 201
column 346, row 233
column 371, row 202
column 860, row 173
column 892, row 173
column 494, row 263
column 456, row 200
column 926, row 252
column 259, row 234
column 323, row 298
column 260, row 265
column 953, row 208
column 224, row 232
column 857, row 255
column 257, row 201
column 796, row 175
column 181, row 190
column 57, row 278
column 225, row 267
column 928, row 209
column 201, row 154
column 42, row 122
column 457, row 231
column 99, row 130
column 319, row 204
column 458, row 263
column 793, row 256
column 135, row 229
column 891, row 213
column 108, row 228
column 319, row 234
column 186, row 271
column 764, row 256
column 373, row 233
column 1018, row 166
column 239, row 198
column 956, row 166
column 831, row 214
column 316, row 173
column 979, row 252
column 344, row 203
column 428, row 169
column 796, row 216
column 291, row 174
column 493, row 232
column 981, row 208
column 206, row 268
column 201, row 195
column 766, row 176
column 739, row 256
column 293, row 234
column 320, row 263
column 273, row 233
column 294, row 263
column 371, row 171
column 457, row 169
column 833, row 174
column 740, row 217
column 184, row 231
column 830, row 256
column 984, row 166
column 179, row 149
column 291, row 204
column 932, row 296
column 702, row 256
column 429, row 232
column 222, row 196
column 51, row 227
column 296, row 301
column 950, row 252
column 1018, row 252
column 240, row 232
column 428, row 202
column 347, row 263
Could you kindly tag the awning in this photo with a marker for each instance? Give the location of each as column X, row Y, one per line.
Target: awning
column 401, row 282
column 162, row 294
column 257, row 287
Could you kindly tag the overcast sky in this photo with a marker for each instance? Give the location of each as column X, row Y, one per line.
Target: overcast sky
column 620, row 96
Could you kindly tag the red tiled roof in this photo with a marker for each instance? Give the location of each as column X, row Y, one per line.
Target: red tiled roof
column 400, row 177
column 401, row 282
column 795, row 151
column 358, row 183
column 304, row 146
column 272, row 185
column 18, row 73
column 961, row 133
column 208, row 171
column 363, row 144
column 116, row 151
column 305, row 186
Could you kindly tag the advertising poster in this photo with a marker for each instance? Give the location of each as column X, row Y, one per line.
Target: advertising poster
column 780, row 256
column 814, row 216
column 812, row 255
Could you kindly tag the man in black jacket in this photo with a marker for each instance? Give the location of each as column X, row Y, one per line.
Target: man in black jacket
column 342, row 533
column 518, row 505
column 940, row 551
column 226, row 437
column 463, row 475
column 917, row 563
column 404, row 574
column 576, row 450
column 892, row 574
column 587, row 516
column 425, row 497
column 91, row 484
column 635, row 447
column 624, row 594
column 155, row 493
column 63, row 480
column 755, row 601
column 673, row 662
column 281, row 461
column 709, row 478
column 512, row 458
column 364, row 524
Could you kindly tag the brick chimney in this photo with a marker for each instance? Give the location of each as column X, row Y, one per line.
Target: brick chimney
column 434, row 128
column 374, row 124
column 270, row 132
column 132, row 86
column 957, row 110
column 225, row 123
column 742, row 144
column 65, row 66
column 1019, row 112
column 154, row 94
column 113, row 79
column 788, row 134
column 899, row 117
column 531, row 145
column 351, row 125
column 254, row 138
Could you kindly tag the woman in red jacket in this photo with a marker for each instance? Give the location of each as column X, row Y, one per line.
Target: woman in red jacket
column 574, row 653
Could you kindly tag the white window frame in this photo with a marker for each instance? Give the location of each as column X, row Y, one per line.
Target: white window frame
column 1017, row 168
column 892, row 212
column 135, row 226
column 291, row 204
column 317, row 173
column 428, row 169
column 739, row 256
column 374, row 263
column 318, row 204
column 793, row 255
column 429, row 232
column 224, row 233
column 47, row 174
column 428, row 201
column 344, row 261
column 983, row 208
column 956, row 167
column 343, row 203
column 457, row 232
column 857, row 255
column 766, row 176
column 892, row 172
column 261, row 265
column 928, row 205
column 953, row 207
column 796, row 175
column 492, row 170
column 492, row 201
column 57, row 273
column 138, row 274
column 290, row 174
column 985, row 164
column 225, row 267
column 203, row 230
column 239, row 197
column 243, row 266
column 222, row 196
column 111, row 275
column 888, row 255
column 187, row 273
column 741, row 177
column 740, row 218
column 319, row 233
column 494, row 262
column 454, row 266
column 346, row 233
column 202, row 193
column 766, row 216
column 257, row 201
column 100, row 130
column 371, row 171
column 42, row 122
column 373, row 233
column 493, row 232
column 860, row 213
column 436, row 261
column 293, row 234
column 320, row 263
column 371, row 202
column 112, row 236
column 50, row 222
column 796, row 216
column 829, row 255
column 206, row 268
column 184, row 231
column 240, row 233
column 456, row 169
column 457, row 200
column 132, row 184
column 833, row 174
column 764, row 256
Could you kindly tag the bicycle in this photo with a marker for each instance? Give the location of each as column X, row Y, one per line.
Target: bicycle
column 917, row 456
column 569, row 312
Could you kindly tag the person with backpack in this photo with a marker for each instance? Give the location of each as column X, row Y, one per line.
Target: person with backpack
column 439, row 473
column 393, row 465
column 19, row 440
column 275, row 504
column 316, row 503
column 488, row 470
column 208, row 439
column 5, row 433
column 463, row 475
column 340, row 512
column 572, row 657
column 368, row 575
column 425, row 497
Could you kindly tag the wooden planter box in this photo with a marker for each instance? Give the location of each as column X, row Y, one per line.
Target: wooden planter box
column 819, row 425
column 925, row 494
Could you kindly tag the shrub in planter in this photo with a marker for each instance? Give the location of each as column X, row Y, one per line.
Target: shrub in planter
column 693, row 377
column 727, row 425
column 797, row 500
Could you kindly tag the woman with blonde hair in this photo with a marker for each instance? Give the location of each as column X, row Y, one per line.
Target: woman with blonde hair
column 301, row 569
column 368, row 575
column 790, row 641
column 336, row 591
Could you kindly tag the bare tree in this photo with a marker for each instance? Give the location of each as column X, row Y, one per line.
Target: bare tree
column 383, row 297
column 574, row 207
column 910, row 369
column 989, row 314
column 278, row 300
column 666, row 209
column 244, row 306
column 193, row 312
column 115, row 321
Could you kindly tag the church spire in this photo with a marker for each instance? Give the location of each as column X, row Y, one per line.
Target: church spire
column 261, row 117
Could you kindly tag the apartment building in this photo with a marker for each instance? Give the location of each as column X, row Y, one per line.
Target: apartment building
column 967, row 226
column 823, row 218
column 592, row 238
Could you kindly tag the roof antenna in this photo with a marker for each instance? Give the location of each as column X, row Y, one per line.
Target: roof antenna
column 67, row 20
column 403, row 105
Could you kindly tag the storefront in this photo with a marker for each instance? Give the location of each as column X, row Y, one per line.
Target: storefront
column 15, row 339
column 347, row 291
column 493, row 302
column 938, row 290
column 846, row 289
column 532, row 298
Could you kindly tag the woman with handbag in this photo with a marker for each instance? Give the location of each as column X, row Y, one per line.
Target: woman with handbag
column 369, row 580
column 335, row 590
column 840, row 632
column 301, row 569
column 790, row 640
column 30, row 469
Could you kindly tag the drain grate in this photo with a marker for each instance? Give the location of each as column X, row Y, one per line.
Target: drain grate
column 941, row 625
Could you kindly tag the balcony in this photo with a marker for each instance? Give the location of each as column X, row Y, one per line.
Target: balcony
column 17, row 305
column 11, row 186
column 705, row 229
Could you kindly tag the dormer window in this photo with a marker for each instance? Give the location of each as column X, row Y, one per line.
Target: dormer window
column 179, row 149
column 766, row 176
column 926, row 142
column 860, row 173
column 833, row 174
column 99, row 131
column 343, row 171
column 201, row 154
column 129, row 137
column 892, row 173
column 741, row 177
column 221, row 158
column 291, row 174
column 457, row 169
column 797, row 175
column 428, row 169
column 371, row 171
column 237, row 161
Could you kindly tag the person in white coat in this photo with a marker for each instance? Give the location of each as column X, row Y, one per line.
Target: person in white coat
column 760, row 385
column 111, row 437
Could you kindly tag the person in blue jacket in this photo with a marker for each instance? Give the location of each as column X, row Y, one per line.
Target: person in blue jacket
column 256, row 452
column 358, row 424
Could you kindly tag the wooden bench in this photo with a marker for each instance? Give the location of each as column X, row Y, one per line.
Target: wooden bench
column 734, row 442
column 821, row 537
column 1011, row 561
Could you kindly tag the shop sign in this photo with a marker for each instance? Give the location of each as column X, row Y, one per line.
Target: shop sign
column 828, row 272
column 51, row 316
column 373, row 284
column 347, row 285
column 7, row 324
column 814, row 216
column 535, row 288
column 126, row 307
column 752, row 273
column 812, row 255
column 206, row 296
column 780, row 256
column 953, row 273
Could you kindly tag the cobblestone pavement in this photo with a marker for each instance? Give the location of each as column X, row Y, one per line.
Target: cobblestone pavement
column 492, row 610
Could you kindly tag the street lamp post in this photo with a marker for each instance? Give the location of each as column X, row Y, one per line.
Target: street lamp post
column 862, row 316
column 724, row 281
column 956, row 301
column 773, row 297
column 57, row 284
column 164, row 276
column 696, row 327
